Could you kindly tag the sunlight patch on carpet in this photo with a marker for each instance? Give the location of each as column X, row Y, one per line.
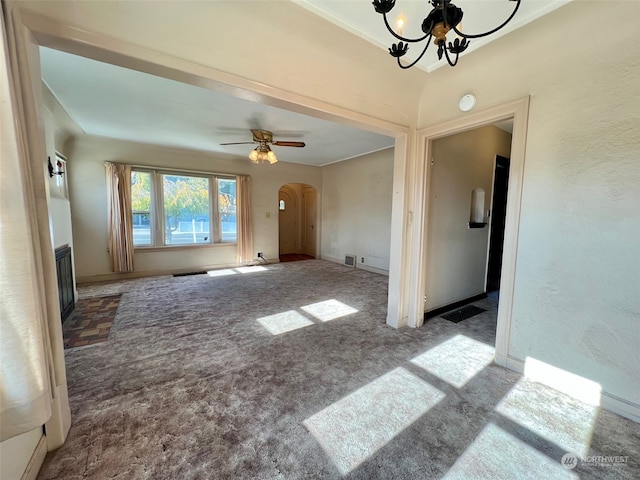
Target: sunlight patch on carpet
column 253, row 269
column 329, row 310
column 284, row 322
column 555, row 416
column 354, row 428
column 578, row 387
column 497, row 454
column 221, row 273
column 457, row 360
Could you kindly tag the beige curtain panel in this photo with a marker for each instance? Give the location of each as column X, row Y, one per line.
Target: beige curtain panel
column 25, row 378
column 243, row 219
column 120, row 218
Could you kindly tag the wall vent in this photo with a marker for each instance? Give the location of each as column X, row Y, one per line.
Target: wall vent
column 350, row 260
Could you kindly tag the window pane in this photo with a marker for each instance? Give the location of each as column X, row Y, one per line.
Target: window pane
column 141, row 207
column 227, row 209
column 186, row 209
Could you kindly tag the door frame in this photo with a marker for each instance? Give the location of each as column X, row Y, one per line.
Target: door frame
column 517, row 110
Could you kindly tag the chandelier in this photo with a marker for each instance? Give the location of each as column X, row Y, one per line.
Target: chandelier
column 444, row 16
column 263, row 154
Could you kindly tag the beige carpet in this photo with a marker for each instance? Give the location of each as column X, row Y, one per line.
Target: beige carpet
column 289, row 371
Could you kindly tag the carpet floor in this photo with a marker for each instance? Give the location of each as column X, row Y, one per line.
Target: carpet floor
column 288, row 371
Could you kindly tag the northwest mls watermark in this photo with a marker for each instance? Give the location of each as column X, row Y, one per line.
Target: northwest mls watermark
column 571, row 461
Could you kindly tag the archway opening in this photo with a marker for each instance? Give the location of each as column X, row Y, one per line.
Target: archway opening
column 297, row 217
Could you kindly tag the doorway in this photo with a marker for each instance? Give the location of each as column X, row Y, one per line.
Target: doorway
column 297, row 222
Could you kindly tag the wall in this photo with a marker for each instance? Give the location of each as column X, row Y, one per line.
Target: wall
column 356, row 210
column 310, row 56
column 456, row 254
column 576, row 303
column 87, row 155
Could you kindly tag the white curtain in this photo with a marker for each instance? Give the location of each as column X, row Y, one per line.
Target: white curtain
column 25, row 352
column 120, row 219
column 243, row 218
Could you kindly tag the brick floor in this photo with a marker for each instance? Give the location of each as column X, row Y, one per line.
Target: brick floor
column 91, row 321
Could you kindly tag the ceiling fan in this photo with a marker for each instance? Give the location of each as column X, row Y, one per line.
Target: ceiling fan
column 263, row 153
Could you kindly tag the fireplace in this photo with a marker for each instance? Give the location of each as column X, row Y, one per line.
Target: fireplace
column 64, row 268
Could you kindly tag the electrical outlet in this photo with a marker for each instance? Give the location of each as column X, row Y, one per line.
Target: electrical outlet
column 361, row 259
column 260, row 255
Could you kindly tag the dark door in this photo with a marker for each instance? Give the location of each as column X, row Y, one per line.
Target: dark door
column 498, row 215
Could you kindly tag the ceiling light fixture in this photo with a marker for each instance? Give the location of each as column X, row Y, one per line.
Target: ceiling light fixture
column 263, row 155
column 444, row 16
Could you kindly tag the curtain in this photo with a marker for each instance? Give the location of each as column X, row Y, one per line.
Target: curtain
column 25, row 353
column 244, row 252
column 120, row 219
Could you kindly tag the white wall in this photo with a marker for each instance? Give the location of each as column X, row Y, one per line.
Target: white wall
column 58, row 128
column 18, row 452
column 356, row 210
column 456, row 254
column 88, row 193
column 308, row 55
column 576, row 302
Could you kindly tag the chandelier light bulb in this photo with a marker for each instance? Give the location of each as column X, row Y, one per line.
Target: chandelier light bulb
column 401, row 21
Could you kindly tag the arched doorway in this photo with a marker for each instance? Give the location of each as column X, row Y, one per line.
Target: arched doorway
column 297, row 219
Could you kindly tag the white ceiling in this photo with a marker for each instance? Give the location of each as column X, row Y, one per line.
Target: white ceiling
column 360, row 18
column 112, row 101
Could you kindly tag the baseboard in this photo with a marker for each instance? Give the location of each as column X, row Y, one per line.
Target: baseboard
column 107, row 277
column 451, row 306
column 36, row 461
column 360, row 266
column 608, row 401
column 367, row 268
column 620, row 406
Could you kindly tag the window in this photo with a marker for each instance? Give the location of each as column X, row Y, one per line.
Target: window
column 182, row 209
column 141, row 208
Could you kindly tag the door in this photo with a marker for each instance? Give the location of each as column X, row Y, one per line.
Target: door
column 498, row 215
column 309, row 234
column 288, row 220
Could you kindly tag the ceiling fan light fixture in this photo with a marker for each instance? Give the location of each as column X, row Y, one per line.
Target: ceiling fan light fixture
column 443, row 17
column 262, row 155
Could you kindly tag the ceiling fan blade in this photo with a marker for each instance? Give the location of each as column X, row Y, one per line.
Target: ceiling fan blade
column 289, row 144
column 238, row 143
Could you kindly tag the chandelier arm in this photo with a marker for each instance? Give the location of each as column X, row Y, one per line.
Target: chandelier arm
column 446, row 54
column 419, row 57
column 454, row 28
column 400, row 37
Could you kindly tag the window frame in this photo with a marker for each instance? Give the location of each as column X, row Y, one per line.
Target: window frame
column 157, row 217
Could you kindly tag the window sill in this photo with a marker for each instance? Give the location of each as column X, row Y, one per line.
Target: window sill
column 168, row 248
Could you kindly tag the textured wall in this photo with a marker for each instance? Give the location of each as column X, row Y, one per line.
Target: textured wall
column 356, row 209
column 576, row 299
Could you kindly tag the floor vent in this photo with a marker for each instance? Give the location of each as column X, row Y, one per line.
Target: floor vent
column 189, row 273
column 463, row 313
column 350, row 260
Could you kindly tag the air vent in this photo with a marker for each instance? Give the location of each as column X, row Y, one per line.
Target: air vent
column 350, row 260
